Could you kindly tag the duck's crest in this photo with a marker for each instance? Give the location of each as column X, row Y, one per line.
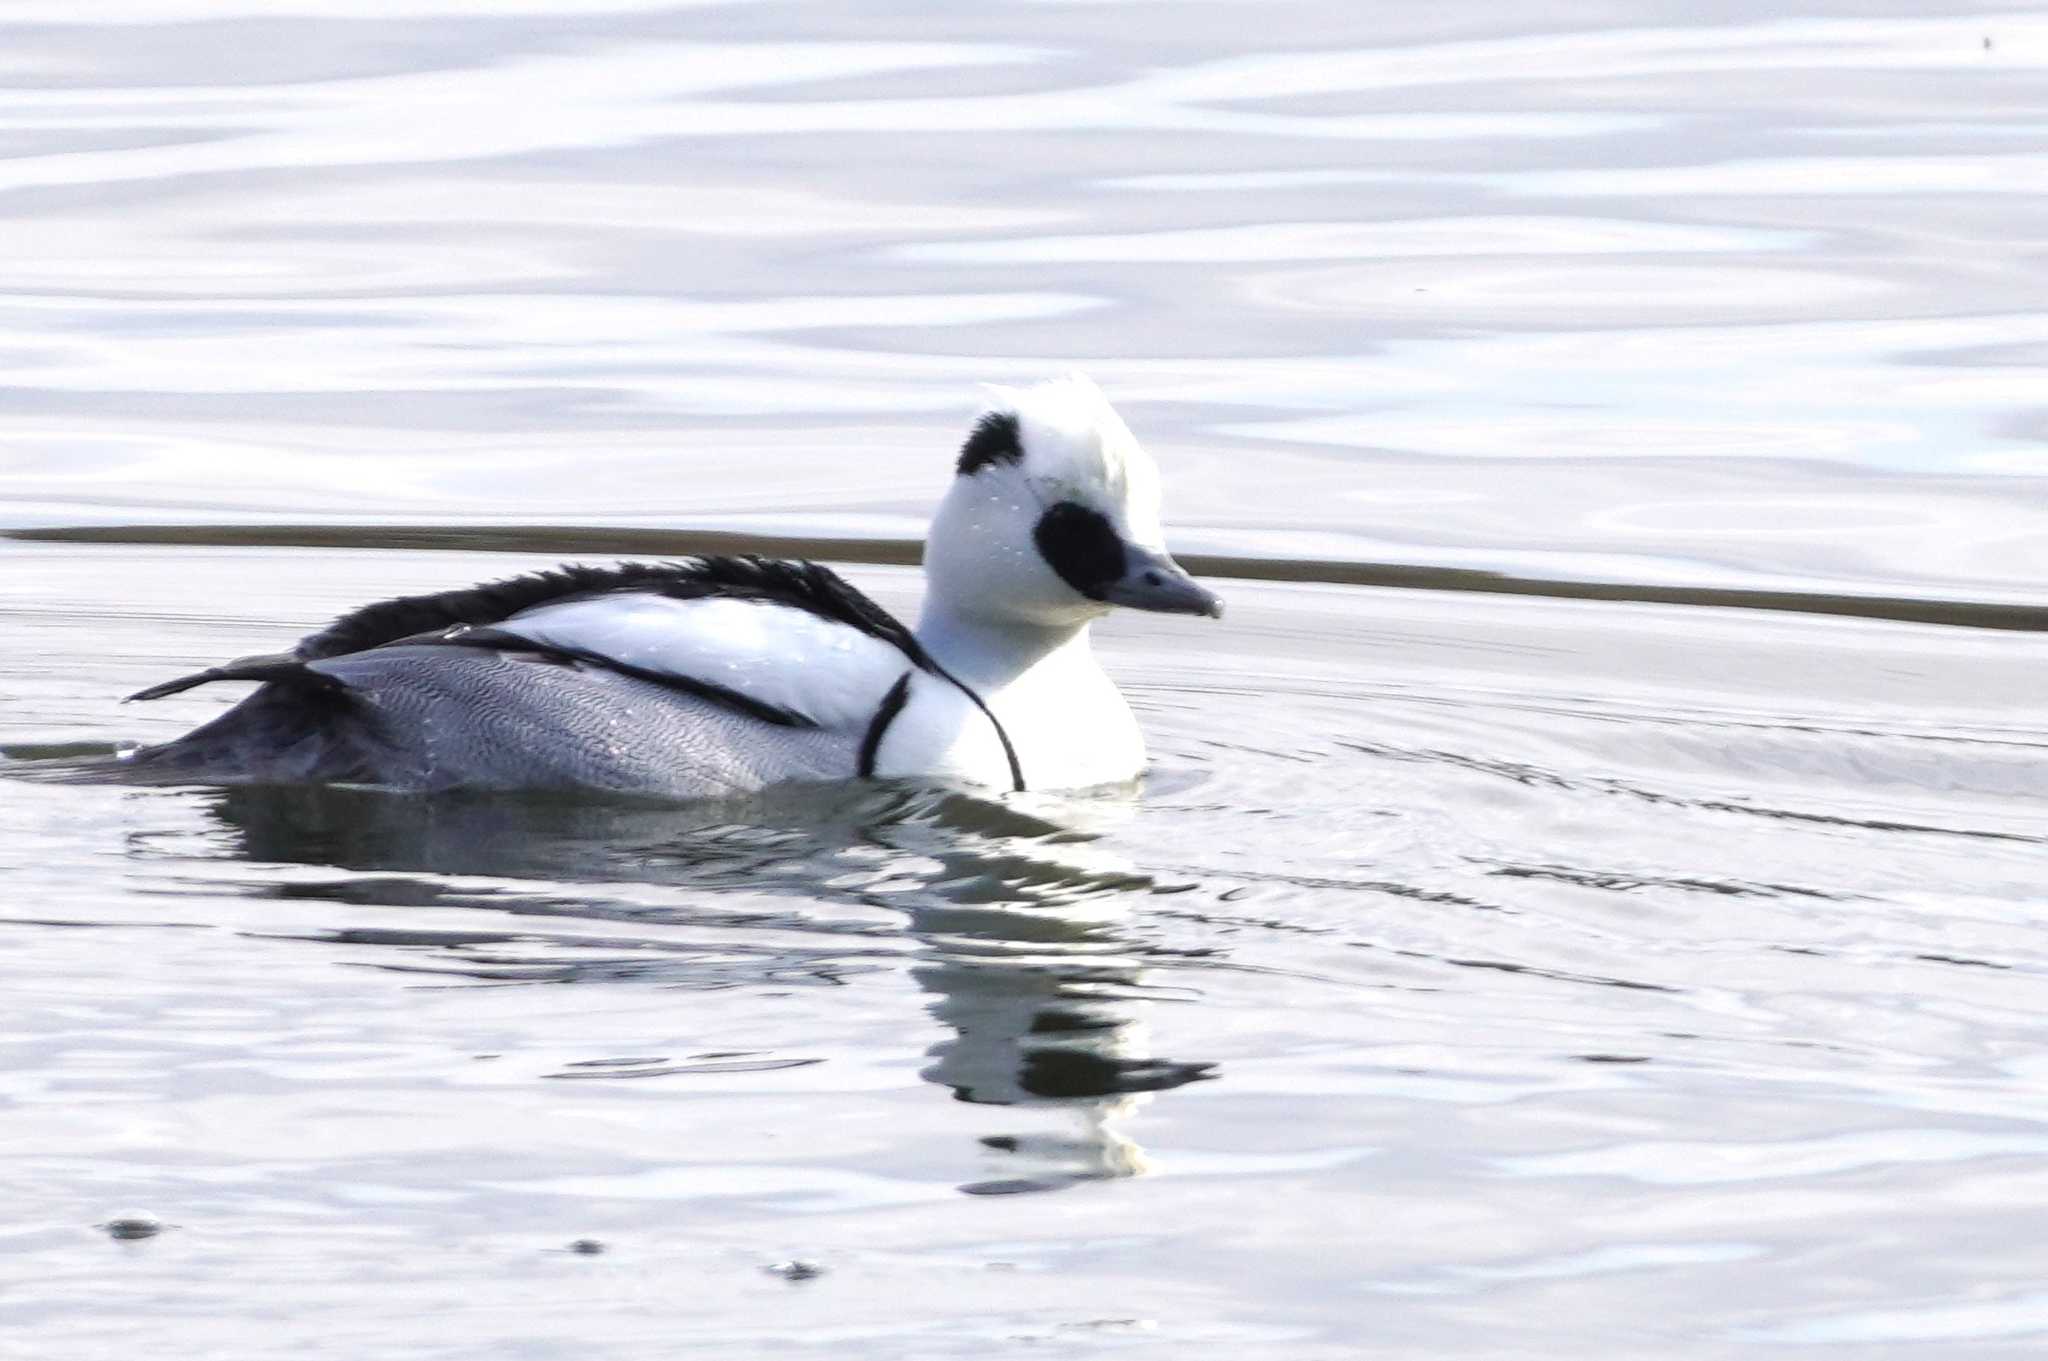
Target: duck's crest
column 806, row 586
column 1062, row 432
column 994, row 439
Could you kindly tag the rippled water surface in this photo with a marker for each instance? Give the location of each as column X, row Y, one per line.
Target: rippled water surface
column 1476, row 975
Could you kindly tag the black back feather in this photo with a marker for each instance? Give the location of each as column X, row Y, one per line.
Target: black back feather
column 806, row 586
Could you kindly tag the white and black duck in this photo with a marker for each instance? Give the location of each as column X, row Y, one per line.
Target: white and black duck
column 726, row 674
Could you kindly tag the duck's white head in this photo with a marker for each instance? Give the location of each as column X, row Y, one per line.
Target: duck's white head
column 1053, row 517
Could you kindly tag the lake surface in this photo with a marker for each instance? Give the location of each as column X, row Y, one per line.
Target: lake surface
column 1477, row 975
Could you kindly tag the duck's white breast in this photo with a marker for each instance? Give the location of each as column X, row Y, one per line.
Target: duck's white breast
column 1071, row 726
column 1065, row 719
column 942, row 732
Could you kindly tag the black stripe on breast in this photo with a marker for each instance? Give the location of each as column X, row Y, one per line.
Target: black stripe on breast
column 899, row 695
column 885, row 714
column 1002, row 736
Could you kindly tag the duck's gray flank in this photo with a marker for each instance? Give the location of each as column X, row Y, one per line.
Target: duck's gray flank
column 463, row 636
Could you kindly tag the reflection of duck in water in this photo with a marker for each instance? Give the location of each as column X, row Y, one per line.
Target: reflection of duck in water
column 1021, row 918
column 1037, row 1029
column 1047, row 1000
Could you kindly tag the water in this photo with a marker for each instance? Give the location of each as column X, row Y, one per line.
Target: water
column 1478, row 974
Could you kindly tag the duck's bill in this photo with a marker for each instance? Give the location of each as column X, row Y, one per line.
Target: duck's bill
column 1153, row 581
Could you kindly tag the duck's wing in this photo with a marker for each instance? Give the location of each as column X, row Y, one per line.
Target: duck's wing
column 789, row 642
column 771, row 660
column 728, row 672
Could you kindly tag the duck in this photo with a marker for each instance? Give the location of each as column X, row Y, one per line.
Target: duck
column 726, row 674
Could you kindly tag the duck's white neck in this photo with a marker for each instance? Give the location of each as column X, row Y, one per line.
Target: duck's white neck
column 991, row 654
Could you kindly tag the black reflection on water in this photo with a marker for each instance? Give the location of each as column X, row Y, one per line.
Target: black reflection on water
column 1047, row 1010
column 1019, row 922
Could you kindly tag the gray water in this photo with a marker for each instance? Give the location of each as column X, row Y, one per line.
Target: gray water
column 1476, row 975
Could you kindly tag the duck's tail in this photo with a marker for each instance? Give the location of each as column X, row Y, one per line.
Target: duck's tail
column 285, row 667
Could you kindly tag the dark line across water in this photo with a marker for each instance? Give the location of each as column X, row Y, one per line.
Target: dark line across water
column 670, row 543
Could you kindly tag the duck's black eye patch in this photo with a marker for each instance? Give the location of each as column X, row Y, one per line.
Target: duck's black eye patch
column 993, row 440
column 1082, row 546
